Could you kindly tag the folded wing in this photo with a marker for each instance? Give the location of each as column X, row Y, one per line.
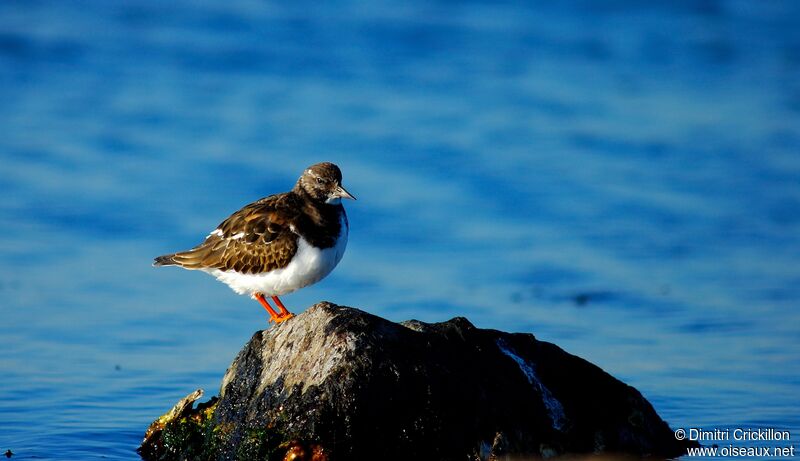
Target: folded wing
column 258, row 238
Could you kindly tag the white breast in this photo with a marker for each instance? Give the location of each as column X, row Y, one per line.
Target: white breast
column 309, row 265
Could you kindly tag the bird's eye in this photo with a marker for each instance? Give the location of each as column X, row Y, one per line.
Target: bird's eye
column 320, row 181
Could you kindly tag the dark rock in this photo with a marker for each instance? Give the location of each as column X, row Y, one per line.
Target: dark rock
column 337, row 383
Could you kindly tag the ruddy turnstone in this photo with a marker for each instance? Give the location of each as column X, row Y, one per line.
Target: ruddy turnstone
column 277, row 244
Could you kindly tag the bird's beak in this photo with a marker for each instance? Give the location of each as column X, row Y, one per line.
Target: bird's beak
column 341, row 192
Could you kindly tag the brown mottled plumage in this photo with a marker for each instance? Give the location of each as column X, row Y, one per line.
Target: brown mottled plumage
column 263, row 240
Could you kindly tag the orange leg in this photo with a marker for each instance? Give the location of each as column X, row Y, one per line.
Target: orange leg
column 273, row 316
column 284, row 312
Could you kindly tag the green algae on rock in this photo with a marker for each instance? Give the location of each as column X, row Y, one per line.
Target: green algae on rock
column 179, row 433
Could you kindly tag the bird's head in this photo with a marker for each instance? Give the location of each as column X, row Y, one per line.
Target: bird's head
column 323, row 183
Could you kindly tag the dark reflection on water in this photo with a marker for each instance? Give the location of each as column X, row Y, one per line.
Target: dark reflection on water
column 620, row 178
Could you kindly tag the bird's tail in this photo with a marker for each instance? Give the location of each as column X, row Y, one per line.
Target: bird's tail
column 164, row 260
column 189, row 259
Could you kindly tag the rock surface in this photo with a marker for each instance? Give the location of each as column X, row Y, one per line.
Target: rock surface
column 337, row 383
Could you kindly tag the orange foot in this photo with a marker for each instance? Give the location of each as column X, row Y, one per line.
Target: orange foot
column 277, row 317
column 284, row 313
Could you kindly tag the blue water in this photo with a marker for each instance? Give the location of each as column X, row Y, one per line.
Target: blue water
column 621, row 178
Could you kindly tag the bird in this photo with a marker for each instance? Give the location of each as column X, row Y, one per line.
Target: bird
column 277, row 244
